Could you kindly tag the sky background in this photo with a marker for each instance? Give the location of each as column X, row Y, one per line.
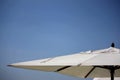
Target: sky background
column 37, row 29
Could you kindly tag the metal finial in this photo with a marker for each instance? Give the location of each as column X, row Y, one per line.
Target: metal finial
column 112, row 45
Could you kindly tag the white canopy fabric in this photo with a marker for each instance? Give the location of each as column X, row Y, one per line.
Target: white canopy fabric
column 116, row 78
column 83, row 64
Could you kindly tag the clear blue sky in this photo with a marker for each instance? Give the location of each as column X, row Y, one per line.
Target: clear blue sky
column 37, row 29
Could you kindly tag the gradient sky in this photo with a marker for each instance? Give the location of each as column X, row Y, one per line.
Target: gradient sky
column 37, row 29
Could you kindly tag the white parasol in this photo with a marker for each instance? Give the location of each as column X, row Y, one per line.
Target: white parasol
column 98, row 63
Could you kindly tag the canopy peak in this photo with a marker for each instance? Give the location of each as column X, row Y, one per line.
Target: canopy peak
column 112, row 45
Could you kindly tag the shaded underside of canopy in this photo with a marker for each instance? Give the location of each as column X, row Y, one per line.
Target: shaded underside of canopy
column 77, row 71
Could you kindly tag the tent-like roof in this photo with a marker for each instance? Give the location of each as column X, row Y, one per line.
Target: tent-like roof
column 83, row 64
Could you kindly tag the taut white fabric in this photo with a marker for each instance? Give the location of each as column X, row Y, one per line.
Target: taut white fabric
column 118, row 78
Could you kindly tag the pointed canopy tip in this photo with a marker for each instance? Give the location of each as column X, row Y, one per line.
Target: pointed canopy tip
column 9, row 65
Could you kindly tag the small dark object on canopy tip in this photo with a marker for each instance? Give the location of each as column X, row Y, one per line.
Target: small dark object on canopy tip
column 112, row 45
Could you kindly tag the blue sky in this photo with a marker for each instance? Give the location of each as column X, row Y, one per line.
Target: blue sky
column 37, row 29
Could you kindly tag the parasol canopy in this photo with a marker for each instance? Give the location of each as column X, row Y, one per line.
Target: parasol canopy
column 98, row 63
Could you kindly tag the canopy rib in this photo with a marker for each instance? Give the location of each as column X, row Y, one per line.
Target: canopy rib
column 90, row 72
column 62, row 68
